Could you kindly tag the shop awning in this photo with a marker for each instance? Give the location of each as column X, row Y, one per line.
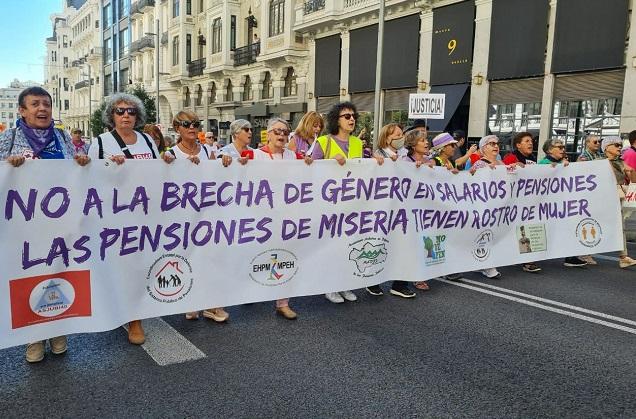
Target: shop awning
column 454, row 95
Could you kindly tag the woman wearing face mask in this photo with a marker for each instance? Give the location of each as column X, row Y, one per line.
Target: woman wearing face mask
column 309, row 128
column 391, row 142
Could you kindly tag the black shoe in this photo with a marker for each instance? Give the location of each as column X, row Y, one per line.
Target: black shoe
column 453, row 277
column 574, row 262
column 402, row 291
column 375, row 290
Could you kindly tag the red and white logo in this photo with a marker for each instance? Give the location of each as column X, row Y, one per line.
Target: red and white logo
column 46, row 298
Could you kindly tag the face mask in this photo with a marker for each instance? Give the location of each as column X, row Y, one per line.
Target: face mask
column 398, row 144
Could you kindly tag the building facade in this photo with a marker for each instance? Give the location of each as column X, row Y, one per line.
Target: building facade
column 9, row 103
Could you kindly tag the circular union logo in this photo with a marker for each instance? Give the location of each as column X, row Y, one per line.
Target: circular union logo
column 52, row 297
column 273, row 267
column 483, row 243
column 589, row 232
column 169, row 279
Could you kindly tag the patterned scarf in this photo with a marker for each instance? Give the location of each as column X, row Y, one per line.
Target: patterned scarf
column 38, row 139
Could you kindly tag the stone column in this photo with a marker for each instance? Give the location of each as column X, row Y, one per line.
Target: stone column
column 426, row 48
column 344, row 65
column 310, row 85
column 548, row 84
column 628, row 112
column 478, row 119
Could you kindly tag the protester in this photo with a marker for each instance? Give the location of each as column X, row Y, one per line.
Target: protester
column 418, row 124
column 460, row 158
column 241, row 135
column 277, row 134
column 35, row 137
column 611, row 147
column 125, row 113
column 444, row 147
column 522, row 153
column 80, row 146
column 340, row 145
column 629, row 156
column 591, row 150
column 391, row 142
column 309, row 128
column 157, row 137
column 554, row 150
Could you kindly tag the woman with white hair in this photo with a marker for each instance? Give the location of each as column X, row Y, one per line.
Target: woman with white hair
column 241, row 135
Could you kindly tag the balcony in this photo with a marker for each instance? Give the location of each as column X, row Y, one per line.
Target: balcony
column 313, row 6
column 143, row 44
column 141, row 6
column 247, row 54
column 81, row 84
column 94, row 53
column 195, row 68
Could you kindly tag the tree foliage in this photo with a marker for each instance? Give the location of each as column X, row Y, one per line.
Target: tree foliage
column 97, row 126
column 148, row 101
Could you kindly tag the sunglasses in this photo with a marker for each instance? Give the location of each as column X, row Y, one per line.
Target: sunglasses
column 246, row 129
column 493, row 144
column 121, row 111
column 560, row 147
column 595, row 142
column 348, row 116
column 190, row 124
column 279, row 131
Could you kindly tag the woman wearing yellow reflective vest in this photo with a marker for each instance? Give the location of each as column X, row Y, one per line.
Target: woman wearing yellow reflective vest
column 340, row 145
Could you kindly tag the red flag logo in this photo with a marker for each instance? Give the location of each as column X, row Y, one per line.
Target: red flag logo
column 46, row 298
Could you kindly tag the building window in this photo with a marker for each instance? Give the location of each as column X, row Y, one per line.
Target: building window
column 212, row 93
column 124, row 42
column 108, row 53
column 268, row 88
column 188, row 48
column 233, row 33
column 198, row 101
column 66, row 104
column 175, row 50
column 107, row 85
column 124, row 8
column 65, row 84
column 187, row 101
column 107, row 17
column 247, row 89
column 175, row 8
column 188, row 7
column 229, row 91
column 124, row 80
column 276, row 17
column 290, row 83
column 216, row 35
column 201, row 6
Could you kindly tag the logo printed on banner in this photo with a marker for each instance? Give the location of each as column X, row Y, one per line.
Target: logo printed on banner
column 435, row 248
column 273, row 267
column 483, row 244
column 169, row 278
column 589, row 232
column 369, row 255
column 47, row 298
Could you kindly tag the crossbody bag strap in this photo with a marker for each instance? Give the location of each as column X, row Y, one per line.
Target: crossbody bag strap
column 148, row 143
column 123, row 145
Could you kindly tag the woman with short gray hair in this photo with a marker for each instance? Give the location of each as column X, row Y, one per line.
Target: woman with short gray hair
column 128, row 99
column 241, row 135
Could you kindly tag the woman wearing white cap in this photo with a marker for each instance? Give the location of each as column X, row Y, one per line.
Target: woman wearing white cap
column 611, row 147
column 444, row 147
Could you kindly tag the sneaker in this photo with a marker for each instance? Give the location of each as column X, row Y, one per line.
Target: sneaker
column 193, row 315
column 574, row 262
column 35, row 351
column 422, row 285
column 588, row 259
column 453, row 277
column 626, row 262
column 286, row 312
column 348, row 295
column 491, row 273
column 217, row 314
column 531, row 267
column 402, row 291
column 375, row 290
column 334, row 297
column 58, row 345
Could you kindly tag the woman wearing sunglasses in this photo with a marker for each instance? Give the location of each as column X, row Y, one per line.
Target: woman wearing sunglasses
column 277, row 135
column 241, row 135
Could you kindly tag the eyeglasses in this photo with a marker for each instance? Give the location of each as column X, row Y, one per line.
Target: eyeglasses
column 190, row 124
column 279, row 131
column 122, row 111
column 560, row 147
column 493, row 144
column 247, row 129
column 348, row 116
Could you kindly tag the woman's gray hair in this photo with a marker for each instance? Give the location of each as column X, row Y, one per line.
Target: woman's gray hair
column 107, row 115
column 551, row 142
column 273, row 121
column 412, row 138
column 238, row 125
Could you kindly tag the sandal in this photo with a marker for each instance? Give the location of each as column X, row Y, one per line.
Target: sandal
column 422, row 285
column 193, row 315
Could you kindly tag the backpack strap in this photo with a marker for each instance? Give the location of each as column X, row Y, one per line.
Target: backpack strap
column 148, row 143
column 171, row 151
column 122, row 145
column 207, row 152
column 100, row 147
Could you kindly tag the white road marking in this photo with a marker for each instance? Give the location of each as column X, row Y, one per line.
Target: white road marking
column 166, row 346
column 552, row 302
column 543, row 307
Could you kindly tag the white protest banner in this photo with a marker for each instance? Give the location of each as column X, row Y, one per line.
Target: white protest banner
column 90, row 248
column 427, row 105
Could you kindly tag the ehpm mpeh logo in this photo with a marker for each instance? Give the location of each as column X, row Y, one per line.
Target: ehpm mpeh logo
column 273, row 267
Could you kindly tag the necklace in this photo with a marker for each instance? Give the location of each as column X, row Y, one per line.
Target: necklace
column 189, row 150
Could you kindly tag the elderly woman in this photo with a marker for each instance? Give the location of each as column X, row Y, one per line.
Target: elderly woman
column 80, row 146
column 277, row 135
column 592, row 149
column 126, row 115
column 241, row 135
column 611, row 147
column 186, row 124
column 444, row 148
column 35, row 137
column 391, row 142
column 340, row 144
column 522, row 149
column 309, row 128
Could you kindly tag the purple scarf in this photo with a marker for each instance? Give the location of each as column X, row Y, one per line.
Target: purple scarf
column 38, row 139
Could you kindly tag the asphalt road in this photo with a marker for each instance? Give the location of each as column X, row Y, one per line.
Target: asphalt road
column 561, row 343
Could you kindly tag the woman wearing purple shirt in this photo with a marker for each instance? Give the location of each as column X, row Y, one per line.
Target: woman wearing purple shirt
column 309, row 127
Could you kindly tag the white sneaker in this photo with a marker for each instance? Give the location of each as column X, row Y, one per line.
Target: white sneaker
column 348, row 295
column 334, row 297
column 491, row 273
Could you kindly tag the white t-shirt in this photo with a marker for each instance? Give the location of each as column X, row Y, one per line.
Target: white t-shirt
column 285, row 155
column 139, row 149
column 204, row 152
